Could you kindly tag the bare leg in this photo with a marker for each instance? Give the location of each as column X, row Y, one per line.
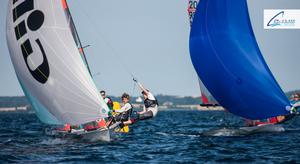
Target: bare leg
column 129, row 122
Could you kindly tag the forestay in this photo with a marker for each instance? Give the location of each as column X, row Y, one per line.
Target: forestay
column 48, row 63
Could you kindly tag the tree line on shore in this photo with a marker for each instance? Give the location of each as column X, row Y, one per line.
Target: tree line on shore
column 14, row 101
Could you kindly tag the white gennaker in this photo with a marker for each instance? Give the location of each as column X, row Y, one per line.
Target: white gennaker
column 48, row 64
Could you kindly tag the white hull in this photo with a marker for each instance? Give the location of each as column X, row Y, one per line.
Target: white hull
column 97, row 135
column 244, row 131
column 89, row 136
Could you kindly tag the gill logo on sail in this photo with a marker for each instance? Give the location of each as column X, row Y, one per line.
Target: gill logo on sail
column 34, row 22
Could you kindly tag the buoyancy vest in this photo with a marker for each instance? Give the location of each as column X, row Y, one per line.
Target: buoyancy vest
column 110, row 103
column 129, row 112
column 150, row 103
column 126, row 114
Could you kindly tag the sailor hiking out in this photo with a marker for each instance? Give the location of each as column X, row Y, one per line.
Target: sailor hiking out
column 150, row 108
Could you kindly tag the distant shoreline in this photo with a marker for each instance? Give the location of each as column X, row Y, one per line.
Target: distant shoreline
column 165, row 101
column 27, row 109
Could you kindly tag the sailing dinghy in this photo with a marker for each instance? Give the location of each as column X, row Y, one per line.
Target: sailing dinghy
column 50, row 65
column 206, row 98
column 246, row 68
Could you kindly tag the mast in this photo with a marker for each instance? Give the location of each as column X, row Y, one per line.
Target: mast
column 76, row 35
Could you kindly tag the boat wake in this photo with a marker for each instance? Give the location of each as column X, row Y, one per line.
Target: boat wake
column 55, row 141
column 178, row 134
column 244, row 131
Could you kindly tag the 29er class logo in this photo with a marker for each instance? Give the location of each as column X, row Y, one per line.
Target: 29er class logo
column 33, row 22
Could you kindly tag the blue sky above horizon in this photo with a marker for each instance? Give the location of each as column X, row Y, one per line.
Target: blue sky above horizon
column 147, row 38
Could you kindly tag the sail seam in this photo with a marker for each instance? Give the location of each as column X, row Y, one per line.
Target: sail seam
column 71, row 71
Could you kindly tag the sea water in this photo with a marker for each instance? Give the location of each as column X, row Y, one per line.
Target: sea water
column 173, row 136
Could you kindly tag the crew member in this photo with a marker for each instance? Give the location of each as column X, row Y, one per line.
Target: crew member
column 150, row 108
column 126, row 110
column 108, row 101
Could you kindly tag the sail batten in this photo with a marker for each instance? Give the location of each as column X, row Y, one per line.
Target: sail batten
column 67, row 94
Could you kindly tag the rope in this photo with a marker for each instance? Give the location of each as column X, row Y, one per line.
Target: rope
column 133, row 89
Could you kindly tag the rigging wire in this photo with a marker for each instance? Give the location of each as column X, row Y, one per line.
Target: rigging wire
column 113, row 51
column 133, row 89
column 81, row 48
column 100, row 37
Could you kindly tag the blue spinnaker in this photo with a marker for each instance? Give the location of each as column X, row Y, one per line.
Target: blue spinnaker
column 228, row 60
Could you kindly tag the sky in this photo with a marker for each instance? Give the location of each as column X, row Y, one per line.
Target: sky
column 279, row 47
column 148, row 39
